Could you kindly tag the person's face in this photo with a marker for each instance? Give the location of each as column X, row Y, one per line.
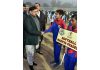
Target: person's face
column 57, row 15
column 27, row 8
column 33, row 12
column 73, row 21
column 38, row 6
column 24, row 8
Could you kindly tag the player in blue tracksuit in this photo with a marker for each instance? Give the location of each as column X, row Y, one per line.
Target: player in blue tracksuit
column 54, row 28
column 70, row 59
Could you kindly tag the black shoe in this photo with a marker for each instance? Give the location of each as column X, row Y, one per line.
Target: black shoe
column 31, row 67
column 24, row 57
column 40, row 53
column 35, row 64
column 55, row 65
column 52, row 62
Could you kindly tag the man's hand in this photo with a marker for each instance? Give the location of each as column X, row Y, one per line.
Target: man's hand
column 42, row 32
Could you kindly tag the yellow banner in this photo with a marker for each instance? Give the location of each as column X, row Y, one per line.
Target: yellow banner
column 67, row 38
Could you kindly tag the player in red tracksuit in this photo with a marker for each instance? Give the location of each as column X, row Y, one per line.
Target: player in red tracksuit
column 70, row 58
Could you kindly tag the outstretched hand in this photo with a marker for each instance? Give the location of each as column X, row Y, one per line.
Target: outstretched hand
column 42, row 32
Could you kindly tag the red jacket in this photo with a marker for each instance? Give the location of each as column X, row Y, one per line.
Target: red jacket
column 61, row 23
column 71, row 50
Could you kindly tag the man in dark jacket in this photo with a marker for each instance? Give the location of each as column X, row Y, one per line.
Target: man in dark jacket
column 42, row 19
column 24, row 18
column 32, row 35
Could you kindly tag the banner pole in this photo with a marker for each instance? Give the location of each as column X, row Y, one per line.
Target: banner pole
column 62, row 59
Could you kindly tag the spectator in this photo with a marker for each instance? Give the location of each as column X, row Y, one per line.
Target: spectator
column 42, row 19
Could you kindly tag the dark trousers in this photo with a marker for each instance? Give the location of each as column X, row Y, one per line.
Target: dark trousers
column 24, row 50
column 38, row 50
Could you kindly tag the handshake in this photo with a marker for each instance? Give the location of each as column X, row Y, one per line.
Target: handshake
column 42, row 32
